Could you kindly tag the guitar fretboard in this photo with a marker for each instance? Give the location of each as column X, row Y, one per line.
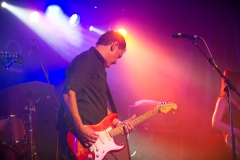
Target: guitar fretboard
column 116, row 131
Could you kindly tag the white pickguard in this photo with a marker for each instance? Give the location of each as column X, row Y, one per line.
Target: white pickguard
column 104, row 144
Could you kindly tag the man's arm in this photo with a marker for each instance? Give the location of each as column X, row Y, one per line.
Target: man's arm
column 71, row 108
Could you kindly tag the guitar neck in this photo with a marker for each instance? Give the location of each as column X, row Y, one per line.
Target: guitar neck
column 116, row 131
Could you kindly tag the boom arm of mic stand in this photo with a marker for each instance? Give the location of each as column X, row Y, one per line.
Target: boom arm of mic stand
column 229, row 86
column 210, row 60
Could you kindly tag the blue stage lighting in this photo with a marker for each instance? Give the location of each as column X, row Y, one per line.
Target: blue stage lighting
column 54, row 12
column 4, row 4
column 74, row 20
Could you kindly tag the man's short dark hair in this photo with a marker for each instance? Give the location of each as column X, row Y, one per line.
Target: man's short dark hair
column 110, row 37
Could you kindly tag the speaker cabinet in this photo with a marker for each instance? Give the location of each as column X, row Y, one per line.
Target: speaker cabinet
column 155, row 144
column 158, row 137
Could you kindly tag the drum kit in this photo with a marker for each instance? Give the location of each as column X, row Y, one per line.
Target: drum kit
column 16, row 135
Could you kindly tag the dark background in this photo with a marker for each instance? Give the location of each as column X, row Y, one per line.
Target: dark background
column 155, row 67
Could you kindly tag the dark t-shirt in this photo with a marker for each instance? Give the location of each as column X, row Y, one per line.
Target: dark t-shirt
column 86, row 76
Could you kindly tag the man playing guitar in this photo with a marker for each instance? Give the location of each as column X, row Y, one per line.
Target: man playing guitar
column 85, row 94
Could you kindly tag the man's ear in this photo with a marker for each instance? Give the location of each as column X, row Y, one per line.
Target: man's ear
column 114, row 45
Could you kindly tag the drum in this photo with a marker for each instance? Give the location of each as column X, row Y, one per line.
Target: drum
column 13, row 142
column 11, row 130
column 18, row 151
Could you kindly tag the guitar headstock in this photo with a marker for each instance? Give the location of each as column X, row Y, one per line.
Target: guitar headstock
column 165, row 107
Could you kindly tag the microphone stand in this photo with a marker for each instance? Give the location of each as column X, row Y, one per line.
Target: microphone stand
column 227, row 89
column 33, row 151
column 45, row 71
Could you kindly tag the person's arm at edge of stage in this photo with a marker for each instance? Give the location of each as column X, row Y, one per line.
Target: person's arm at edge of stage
column 220, row 109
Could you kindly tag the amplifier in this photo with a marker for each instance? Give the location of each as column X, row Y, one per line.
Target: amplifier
column 158, row 137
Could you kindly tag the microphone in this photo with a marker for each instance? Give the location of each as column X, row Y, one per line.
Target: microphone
column 181, row 35
column 32, row 47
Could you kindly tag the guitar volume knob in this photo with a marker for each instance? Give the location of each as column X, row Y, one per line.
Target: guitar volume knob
column 90, row 149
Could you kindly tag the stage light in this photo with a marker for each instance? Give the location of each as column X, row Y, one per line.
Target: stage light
column 94, row 29
column 54, row 12
column 74, row 20
column 55, row 32
column 91, row 28
column 123, row 32
column 34, row 16
column 4, row 4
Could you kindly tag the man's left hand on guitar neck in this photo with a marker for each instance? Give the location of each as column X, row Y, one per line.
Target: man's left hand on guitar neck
column 128, row 127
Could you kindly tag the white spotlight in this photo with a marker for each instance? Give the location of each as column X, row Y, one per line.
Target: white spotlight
column 4, row 4
column 90, row 28
column 123, row 32
column 54, row 12
column 74, row 20
column 94, row 29
column 34, row 16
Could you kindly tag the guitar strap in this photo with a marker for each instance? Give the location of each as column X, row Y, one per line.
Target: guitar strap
column 118, row 155
column 110, row 100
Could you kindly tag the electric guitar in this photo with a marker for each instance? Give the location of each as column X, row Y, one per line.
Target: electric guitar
column 105, row 142
column 228, row 140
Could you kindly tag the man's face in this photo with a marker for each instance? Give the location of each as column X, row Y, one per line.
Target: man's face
column 114, row 55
